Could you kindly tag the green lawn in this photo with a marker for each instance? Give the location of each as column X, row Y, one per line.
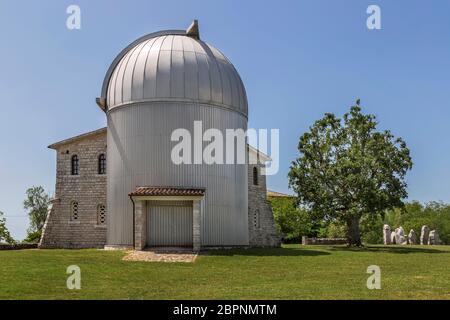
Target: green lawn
column 291, row 272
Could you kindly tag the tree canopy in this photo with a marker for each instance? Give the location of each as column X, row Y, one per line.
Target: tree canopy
column 347, row 169
column 292, row 222
column 36, row 204
column 5, row 235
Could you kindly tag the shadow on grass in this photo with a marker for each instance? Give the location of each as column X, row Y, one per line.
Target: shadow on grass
column 267, row 252
column 387, row 249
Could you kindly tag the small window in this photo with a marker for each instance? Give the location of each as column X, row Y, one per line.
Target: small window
column 74, row 211
column 102, row 164
column 256, row 219
column 101, row 214
column 75, row 165
column 255, row 176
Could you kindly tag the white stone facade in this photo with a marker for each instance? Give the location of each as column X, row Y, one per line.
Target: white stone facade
column 87, row 189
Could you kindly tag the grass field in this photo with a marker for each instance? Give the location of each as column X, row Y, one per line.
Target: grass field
column 291, row 272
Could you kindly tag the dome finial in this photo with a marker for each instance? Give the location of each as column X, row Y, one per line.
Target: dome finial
column 193, row 30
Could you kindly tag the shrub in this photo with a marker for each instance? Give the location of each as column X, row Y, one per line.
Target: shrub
column 33, row 237
column 436, row 215
column 291, row 222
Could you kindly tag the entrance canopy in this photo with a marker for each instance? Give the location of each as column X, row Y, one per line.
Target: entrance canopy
column 167, row 216
column 151, row 192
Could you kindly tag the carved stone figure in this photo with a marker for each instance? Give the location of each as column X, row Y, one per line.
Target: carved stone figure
column 433, row 238
column 424, row 234
column 402, row 239
column 412, row 237
column 386, row 234
column 393, row 238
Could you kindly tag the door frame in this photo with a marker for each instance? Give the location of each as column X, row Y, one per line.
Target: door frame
column 140, row 218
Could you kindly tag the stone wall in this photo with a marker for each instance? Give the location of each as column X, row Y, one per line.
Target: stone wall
column 18, row 246
column 88, row 189
column 262, row 230
column 323, row 241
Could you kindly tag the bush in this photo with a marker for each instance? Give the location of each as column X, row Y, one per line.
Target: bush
column 372, row 229
column 435, row 215
column 291, row 222
column 5, row 235
column 336, row 229
column 414, row 215
column 294, row 223
column 33, row 237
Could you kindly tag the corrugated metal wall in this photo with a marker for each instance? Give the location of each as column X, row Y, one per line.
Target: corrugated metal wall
column 169, row 224
column 139, row 154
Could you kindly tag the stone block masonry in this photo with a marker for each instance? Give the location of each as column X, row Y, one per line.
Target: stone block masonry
column 140, row 224
column 87, row 189
column 262, row 229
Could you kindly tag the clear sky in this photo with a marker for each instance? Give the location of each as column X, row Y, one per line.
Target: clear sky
column 298, row 60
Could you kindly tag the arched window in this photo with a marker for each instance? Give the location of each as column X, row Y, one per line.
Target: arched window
column 256, row 219
column 255, row 176
column 74, row 211
column 101, row 214
column 102, row 164
column 75, row 165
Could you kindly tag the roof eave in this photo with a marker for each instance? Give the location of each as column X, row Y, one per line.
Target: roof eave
column 56, row 145
column 264, row 157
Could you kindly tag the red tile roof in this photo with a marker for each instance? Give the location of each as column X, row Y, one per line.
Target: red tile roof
column 167, row 191
column 274, row 194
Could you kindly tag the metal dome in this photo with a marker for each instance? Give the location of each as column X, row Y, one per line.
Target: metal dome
column 173, row 65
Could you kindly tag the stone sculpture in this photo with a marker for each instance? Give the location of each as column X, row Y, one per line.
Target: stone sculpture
column 424, row 233
column 401, row 238
column 386, row 234
column 393, row 238
column 398, row 236
column 412, row 237
column 433, row 238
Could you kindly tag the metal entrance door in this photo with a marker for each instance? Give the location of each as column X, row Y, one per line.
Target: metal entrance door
column 169, row 223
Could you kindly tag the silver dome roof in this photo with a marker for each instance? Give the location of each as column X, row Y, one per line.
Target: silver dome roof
column 173, row 66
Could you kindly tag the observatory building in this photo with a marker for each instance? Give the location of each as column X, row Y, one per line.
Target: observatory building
column 118, row 187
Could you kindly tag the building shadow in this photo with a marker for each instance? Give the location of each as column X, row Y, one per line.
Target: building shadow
column 266, row 252
column 389, row 249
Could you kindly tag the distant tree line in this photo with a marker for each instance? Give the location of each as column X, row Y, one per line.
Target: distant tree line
column 293, row 222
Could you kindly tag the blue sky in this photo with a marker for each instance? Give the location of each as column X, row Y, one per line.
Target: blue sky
column 298, row 60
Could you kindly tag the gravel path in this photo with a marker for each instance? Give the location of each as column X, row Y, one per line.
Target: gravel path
column 161, row 256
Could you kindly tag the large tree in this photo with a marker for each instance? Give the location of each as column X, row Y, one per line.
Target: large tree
column 36, row 204
column 347, row 169
column 5, row 235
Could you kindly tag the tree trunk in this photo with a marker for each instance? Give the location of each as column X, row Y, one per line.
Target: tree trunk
column 353, row 234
